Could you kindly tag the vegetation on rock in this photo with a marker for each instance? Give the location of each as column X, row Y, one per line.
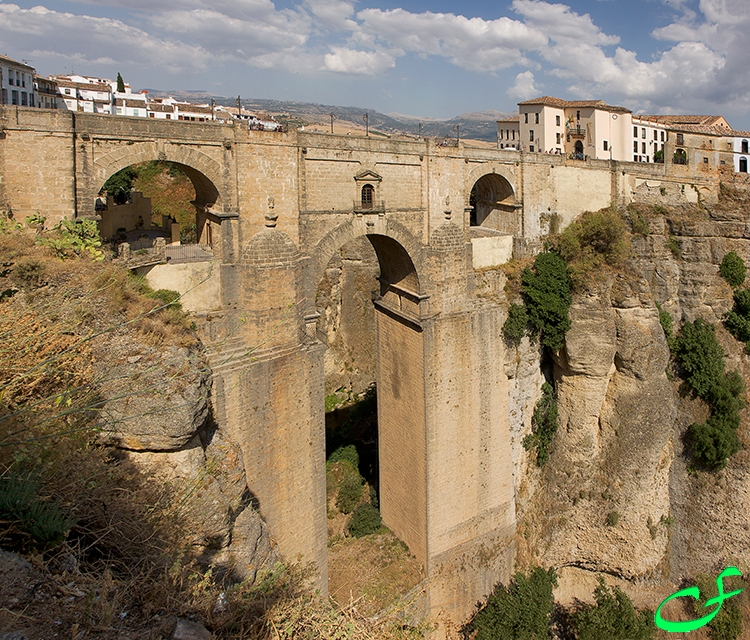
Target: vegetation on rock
column 595, row 239
column 520, row 611
column 701, row 361
column 613, row 616
column 543, row 425
column 732, row 269
column 515, row 326
column 365, row 521
column 547, row 297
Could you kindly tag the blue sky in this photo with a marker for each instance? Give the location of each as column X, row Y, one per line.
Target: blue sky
column 429, row 59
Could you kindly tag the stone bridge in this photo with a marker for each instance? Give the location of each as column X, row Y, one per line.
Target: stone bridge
column 276, row 207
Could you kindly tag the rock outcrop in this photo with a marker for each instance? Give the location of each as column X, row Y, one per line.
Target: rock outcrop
column 619, row 494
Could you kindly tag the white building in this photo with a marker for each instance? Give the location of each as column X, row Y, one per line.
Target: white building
column 741, row 150
column 508, row 133
column 17, row 83
column 84, row 93
column 577, row 128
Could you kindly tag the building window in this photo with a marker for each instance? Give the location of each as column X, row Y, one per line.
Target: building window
column 643, row 147
column 578, row 115
column 151, row 115
column 368, row 191
column 557, row 121
column 536, row 118
column 10, row 80
column 656, row 134
column 744, row 146
column 635, row 132
column 705, row 160
column 635, row 147
column 531, row 135
column 23, row 98
column 643, row 134
column 558, row 138
column 526, row 118
column 606, row 145
column 31, row 99
column 743, row 165
column 514, row 134
column 662, row 136
column 14, row 97
column 680, row 139
column 531, row 148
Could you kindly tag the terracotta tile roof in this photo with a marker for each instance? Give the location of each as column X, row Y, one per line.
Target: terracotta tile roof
column 160, row 108
column 512, row 119
column 574, row 104
column 124, row 102
column 192, row 108
column 16, row 62
column 708, row 125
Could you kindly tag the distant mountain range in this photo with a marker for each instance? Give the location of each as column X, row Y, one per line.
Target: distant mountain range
column 479, row 125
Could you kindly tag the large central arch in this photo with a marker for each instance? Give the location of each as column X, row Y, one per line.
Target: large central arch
column 400, row 375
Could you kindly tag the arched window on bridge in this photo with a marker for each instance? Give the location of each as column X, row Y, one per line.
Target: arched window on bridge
column 744, row 147
column 368, row 196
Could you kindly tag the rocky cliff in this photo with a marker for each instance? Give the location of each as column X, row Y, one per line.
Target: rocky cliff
column 621, row 494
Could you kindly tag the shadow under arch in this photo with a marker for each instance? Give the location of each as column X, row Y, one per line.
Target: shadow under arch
column 493, row 204
column 396, row 248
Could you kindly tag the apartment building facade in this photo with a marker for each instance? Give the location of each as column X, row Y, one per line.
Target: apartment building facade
column 17, row 83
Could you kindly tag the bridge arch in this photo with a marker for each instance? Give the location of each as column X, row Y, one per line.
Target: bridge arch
column 204, row 172
column 492, row 203
column 397, row 249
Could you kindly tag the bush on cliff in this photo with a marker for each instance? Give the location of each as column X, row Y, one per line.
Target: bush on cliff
column 546, row 293
column 733, row 270
column 520, row 611
column 701, row 361
column 595, row 239
column 613, row 616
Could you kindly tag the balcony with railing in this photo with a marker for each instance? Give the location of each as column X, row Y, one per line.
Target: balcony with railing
column 369, row 206
column 576, row 131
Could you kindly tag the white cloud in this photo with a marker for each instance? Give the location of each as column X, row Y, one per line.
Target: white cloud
column 343, row 60
column 335, row 15
column 470, row 43
column 523, row 88
column 559, row 23
column 91, row 40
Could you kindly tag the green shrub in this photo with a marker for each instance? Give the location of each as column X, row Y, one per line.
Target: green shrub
column 738, row 325
column 638, row 223
column 364, row 521
column 520, row 611
column 700, row 356
column 348, row 454
column 733, row 270
column 701, row 359
column 75, row 237
column 20, row 502
column 543, row 425
column 350, row 492
column 546, row 291
column 714, row 441
column 514, row 328
column 727, row 625
column 666, row 322
column 612, row 617
column 612, row 518
column 594, row 239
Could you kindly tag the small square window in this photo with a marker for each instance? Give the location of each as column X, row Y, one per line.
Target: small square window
column 531, row 148
column 557, row 120
column 705, row 160
column 606, row 145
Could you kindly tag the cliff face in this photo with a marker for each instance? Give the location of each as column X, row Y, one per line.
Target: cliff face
column 616, row 496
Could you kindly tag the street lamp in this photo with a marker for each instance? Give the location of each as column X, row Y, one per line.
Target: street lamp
column 457, row 129
column 366, row 118
column 333, row 117
column 213, row 106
